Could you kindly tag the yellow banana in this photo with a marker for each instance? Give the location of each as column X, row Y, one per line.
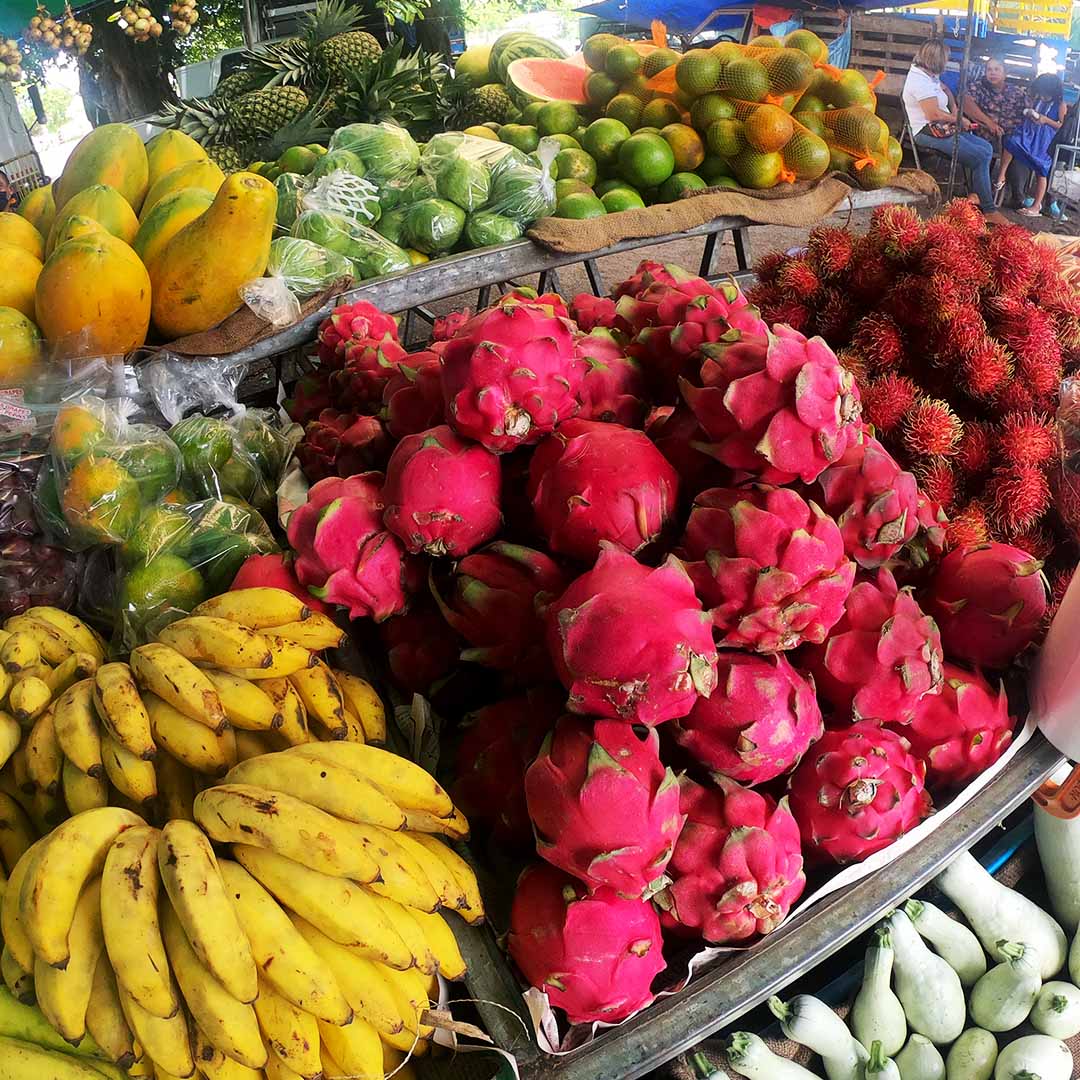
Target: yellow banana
column 71, row 855
column 294, row 729
column 451, row 894
column 257, row 608
column 130, row 886
column 215, row 1065
column 63, row 995
column 134, row 777
column 227, row 742
column 189, row 741
column 165, row 1041
column 20, row 774
column 336, row 906
column 206, row 639
column 243, row 814
column 18, row 652
column 77, row 730
column 79, row 636
column 331, row 1069
column 276, row 1069
column 38, row 671
column 190, row 873
column 44, row 758
column 28, row 1061
column 82, row 792
column 284, row 958
column 17, row 832
column 395, row 1063
column 250, row 744
column 291, row 1033
column 51, row 643
column 337, row 790
column 441, row 941
column 105, row 1020
column 121, row 710
column 12, row 929
column 19, row 982
column 366, row 991
column 401, row 875
column 10, row 737
column 397, row 915
column 246, row 704
column 228, row 1024
column 472, row 909
column 410, row 989
column 46, row 811
column 317, row 632
column 321, row 695
column 176, row 680
column 354, row 730
column 409, row 785
column 356, row 1049
column 366, row 703
column 176, row 788
column 29, row 698
column 76, row 667
column 286, row 658
column 456, row 826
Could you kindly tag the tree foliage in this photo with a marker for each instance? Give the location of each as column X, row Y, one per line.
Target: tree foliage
column 220, row 27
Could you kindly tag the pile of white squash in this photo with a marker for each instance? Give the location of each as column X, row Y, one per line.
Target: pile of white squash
column 937, row 994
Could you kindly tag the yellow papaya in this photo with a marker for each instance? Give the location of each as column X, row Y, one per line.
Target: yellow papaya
column 102, row 204
column 169, row 150
column 73, row 225
column 93, row 297
column 18, row 231
column 20, row 345
column 198, row 276
column 198, row 174
column 18, row 279
column 167, row 218
column 39, row 208
column 112, row 154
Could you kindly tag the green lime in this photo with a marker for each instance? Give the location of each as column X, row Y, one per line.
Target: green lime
column 622, row 198
column 765, row 41
column 575, row 165
column 697, row 72
column 648, row 131
column 754, row 169
column 625, row 108
column 686, row 145
column 660, row 112
column 673, row 187
column 569, row 187
column 712, row 168
column 580, row 205
column 600, row 88
column 557, row 118
column 154, row 465
column 531, row 113
column 597, row 47
column 809, row 43
column 605, row 186
column 726, row 50
column 725, row 138
column 160, row 529
column 744, row 79
column 297, row 159
column 726, row 182
column 639, row 86
column 811, row 103
column 622, row 61
column 812, row 122
column 708, row 109
column 566, row 142
column 521, row 136
column 166, row 584
column 645, row 160
column 657, row 61
column 579, row 134
column 603, row 138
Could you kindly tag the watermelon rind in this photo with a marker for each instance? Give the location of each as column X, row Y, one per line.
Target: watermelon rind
column 520, row 46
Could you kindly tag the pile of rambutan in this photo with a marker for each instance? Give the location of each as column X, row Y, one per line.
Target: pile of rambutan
column 959, row 335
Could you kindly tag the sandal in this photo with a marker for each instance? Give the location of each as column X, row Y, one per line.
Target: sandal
column 1029, row 211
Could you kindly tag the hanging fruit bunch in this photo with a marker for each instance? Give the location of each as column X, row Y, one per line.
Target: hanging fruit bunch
column 183, row 14
column 10, row 61
column 66, row 34
column 139, row 23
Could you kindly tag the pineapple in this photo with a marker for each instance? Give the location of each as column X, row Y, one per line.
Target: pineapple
column 240, row 82
column 207, row 120
column 227, row 158
column 262, row 112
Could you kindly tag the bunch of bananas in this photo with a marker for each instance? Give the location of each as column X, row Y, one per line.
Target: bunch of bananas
column 312, row 950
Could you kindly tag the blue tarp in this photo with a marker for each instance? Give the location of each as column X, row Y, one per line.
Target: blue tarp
column 679, row 16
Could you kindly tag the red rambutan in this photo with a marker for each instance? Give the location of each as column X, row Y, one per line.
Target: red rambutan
column 1049, row 268
column 953, row 253
column 1034, row 540
column 798, row 278
column 1067, row 331
column 1026, row 438
column 931, row 428
column 834, row 315
column 877, row 339
column 938, row 481
column 1029, row 333
column 964, row 214
column 1065, row 484
column 1018, row 496
column 1012, row 260
column 886, row 401
column 831, row 249
column 871, row 273
column 897, row 231
column 985, row 369
column 951, row 295
column 967, row 526
column 1060, row 581
column 972, row 455
column 854, row 363
column 966, row 330
column 907, row 301
column 767, row 266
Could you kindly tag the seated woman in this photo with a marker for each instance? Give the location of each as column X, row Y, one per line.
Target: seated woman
column 932, row 117
column 1030, row 143
column 996, row 105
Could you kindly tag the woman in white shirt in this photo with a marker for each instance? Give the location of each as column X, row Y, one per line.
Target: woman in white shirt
column 932, row 116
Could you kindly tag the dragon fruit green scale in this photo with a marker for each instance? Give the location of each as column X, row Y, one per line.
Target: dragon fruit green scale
column 603, row 806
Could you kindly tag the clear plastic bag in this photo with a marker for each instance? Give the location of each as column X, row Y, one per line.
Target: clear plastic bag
column 460, row 166
column 296, row 269
column 434, row 226
column 521, row 191
column 339, row 160
column 290, row 189
column 484, row 229
column 343, row 193
column 387, row 151
column 372, row 255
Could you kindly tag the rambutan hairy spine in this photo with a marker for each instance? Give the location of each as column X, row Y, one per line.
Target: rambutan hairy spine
column 938, row 481
column 972, row 455
column 932, row 428
column 968, row 526
column 886, row 401
column 1027, row 438
column 1018, row 496
column 877, row 339
column 831, row 248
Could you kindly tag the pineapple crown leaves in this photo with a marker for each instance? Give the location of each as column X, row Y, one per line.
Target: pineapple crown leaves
column 405, row 87
column 305, row 128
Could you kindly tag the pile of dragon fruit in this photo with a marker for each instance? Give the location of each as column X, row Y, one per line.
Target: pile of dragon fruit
column 719, row 635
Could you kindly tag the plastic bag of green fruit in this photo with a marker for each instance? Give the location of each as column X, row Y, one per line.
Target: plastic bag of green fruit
column 295, row 270
column 387, row 151
column 372, row 255
column 522, row 191
column 460, row 166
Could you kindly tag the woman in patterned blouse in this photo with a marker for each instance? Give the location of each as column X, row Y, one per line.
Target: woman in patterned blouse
column 994, row 104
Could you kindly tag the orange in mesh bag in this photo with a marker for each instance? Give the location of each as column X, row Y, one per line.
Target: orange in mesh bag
column 767, row 146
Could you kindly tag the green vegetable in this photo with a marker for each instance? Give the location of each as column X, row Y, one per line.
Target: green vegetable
column 484, row 229
column 876, row 1014
column 920, row 1060
column 1035, row 1057
column 1057, row 1010
column 1003, row 997
column 750, row 1057
column 881, row 1066
column 972, row 1056
column 205, row 445
column 927, row 987
column 807, row 1020
column 434, row 226
column 951, row 939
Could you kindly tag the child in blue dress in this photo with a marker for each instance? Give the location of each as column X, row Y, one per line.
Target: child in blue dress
column 1030, row 143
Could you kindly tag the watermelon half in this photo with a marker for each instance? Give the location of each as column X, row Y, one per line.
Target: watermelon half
column 543, row 79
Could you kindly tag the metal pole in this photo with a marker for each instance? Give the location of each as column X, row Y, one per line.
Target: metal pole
column 969, row 33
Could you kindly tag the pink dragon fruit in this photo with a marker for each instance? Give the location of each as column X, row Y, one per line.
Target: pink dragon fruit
column 500, row 743
column 875, row 503
column 369, row 366
column 989, row 601
column 649, row 272
column 738, row 866
column 963, row 730
column 774, row 573
column 311, row 395
column 777, row 405
column 881, row 658
column 613, row 388
column 274, row 572
column 412, row 398
column 420, row 648
column 448, row 326
column 630, row 642
column 342, row 444
column 678, row 436
column 591, row 482
column 442, row 493
column 597, row 312
column 759, row 721
column 349, row 323
column 857, row 791
column 603, row 805
column 594, row 956
column 497, row 603
column 510, row 376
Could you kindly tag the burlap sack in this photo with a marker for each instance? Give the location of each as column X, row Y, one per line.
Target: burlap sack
column 801, row 205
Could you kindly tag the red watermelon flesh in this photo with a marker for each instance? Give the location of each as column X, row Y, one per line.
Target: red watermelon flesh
column 546, row 79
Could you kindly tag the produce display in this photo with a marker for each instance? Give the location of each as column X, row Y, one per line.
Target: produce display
column 208, row 861
column 988, row 994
